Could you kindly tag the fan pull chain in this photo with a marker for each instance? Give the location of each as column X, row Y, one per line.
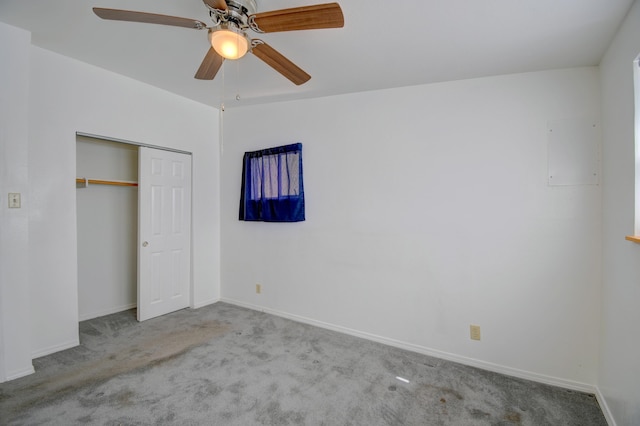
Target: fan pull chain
column 238, row 81
column 238, row 78
column 222, row 112
column 221, row 124
column 224, row 66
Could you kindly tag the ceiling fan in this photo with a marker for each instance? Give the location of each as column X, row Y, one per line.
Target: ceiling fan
column 228, row 37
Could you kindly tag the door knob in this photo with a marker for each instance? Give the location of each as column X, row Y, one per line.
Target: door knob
column 146, row 243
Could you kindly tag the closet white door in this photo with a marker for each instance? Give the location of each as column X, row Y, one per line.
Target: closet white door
column 164, row 232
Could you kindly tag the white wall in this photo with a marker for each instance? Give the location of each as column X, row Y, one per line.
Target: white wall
column 65, row 96
column 619, row 368
column 107, row 218
column 69, row 96
column 15, row 344
column 428, row 210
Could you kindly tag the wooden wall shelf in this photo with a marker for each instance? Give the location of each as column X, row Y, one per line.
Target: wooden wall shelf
column 87, row 182
column 633, row 238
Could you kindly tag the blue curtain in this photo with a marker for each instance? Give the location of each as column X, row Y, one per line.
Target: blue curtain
column 272, row 189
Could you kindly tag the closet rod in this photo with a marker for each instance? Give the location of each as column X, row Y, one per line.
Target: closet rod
column 105, row 182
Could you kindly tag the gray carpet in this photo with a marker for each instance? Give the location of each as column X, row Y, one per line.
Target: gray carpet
column 225, row 365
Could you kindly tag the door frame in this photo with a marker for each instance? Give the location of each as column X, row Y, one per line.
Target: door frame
column 163, row 148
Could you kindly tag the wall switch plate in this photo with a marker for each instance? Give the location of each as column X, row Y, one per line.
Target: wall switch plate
column 475, row 332
column 14, row 200
column 258, row 288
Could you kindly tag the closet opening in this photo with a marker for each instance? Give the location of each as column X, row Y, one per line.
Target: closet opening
column 133, row 210
column 107, row 226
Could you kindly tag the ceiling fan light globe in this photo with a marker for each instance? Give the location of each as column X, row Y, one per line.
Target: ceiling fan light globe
column 228, row 43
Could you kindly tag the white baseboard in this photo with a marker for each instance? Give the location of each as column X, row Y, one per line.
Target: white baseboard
column 56, row 348
column 97, row 314
column 21, row 373
column 496, row 368
column 103, row 312
column 205, row 303
column 608, row 415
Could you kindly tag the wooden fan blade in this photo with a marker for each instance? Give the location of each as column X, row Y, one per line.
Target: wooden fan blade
column 210, row 65
column 216, row 4
column 149, row 18
column 275, row 60
column 319, row 16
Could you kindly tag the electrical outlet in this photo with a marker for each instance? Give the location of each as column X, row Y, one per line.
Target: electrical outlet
column 14, row 200
column 475, row 332
column 258, row 288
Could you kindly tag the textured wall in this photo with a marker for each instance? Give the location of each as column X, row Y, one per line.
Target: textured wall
column 619, row 368
column 428, row 210
column 15, row 343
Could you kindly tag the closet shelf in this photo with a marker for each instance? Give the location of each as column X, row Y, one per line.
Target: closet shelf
column 633, row 238
column 88, row 182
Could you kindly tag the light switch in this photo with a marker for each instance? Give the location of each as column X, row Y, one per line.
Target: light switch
column 475, row 332
column 14, row 200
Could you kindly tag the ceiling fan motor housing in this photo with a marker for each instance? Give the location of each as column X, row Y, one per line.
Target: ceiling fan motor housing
column 240, row 10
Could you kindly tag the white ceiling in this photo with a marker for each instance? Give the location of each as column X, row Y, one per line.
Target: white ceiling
column 383, row 44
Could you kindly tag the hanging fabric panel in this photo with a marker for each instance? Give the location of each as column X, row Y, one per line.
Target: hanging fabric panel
column 272, row 189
